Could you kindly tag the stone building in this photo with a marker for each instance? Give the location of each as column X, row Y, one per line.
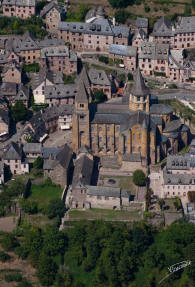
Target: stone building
column 97, row 35
column 142, row 24
column 153, row 58
column 48, row 121
column 60, row 94
column 19, row 8
column 58, row 167
column 179, row 36
column 131, row 125
column 32, row 151
column 12, row 73
column 14, row 158
column 59, row 59
column 126, row 54
column 23, row 95
column 138, row 37
column 52, row 14
column 4, row 120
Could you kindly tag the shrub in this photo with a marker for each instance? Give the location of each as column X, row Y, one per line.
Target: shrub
column 28, row 206
column 38, row 163
column 99, row 96
column 130, row 77
column 21, row 252
column 121, row 16
column 48, row 181
column 19, row 111
column 13, row 277
column 4, row 256
column 147, row 9
column 104, row 59
column 24, row 283
column 55, row 208
column 139, row 177
column 31, row 67
column 9, row 242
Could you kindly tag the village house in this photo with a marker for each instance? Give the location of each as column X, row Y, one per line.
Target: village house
column 19, row 8
column 142, row 24
column 8, row 56
column 178, row 36
column 60, row 94
column 58, row 167
column 138, row 37
column 14, row 158
column 9, row 92
column 52, row 14
column 41, row 80
column 12, row 73
column 23, row 95
column 178, row 176
column 126, row 54
column 153, row 58
column 47, row 121
column 106, row 197
column 32, row 151
column 59, row 59
column 97, row 35
column 27, row 48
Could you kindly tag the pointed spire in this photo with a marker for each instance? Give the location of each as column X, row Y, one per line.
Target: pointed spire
column 139, row 88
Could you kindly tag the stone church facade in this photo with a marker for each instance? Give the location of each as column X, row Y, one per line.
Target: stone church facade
column 130, row 126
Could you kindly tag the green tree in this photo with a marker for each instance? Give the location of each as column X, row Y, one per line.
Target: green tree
column 139, row 178
column 161, row 203
column 99, row 96
column 121, row 16
column 28, row 206
column 120, row 3
column 46, row 270
column 24, row 283
column 54, row 241
column 9, row 242
column 38, row 163
column 55, row 208
column 64, row 280
column 19, row 111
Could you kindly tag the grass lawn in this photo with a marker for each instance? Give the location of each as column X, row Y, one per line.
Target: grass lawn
column 125, row 182
column 170, row 203
column 105, row 214
column 44, row 193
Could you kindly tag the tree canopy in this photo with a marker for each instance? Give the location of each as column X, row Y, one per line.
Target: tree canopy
column 139, row 178
column 19, row 111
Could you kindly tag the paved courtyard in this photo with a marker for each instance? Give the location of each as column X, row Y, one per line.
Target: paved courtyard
column 59, row 138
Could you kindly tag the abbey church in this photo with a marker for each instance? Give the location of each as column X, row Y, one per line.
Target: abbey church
column 134, row 126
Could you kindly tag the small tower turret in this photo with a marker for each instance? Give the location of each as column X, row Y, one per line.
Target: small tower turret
column 139, row 99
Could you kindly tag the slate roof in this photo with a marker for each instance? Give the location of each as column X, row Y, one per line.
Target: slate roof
column 175, row 162
column 8, row 89
column 96, row 27
column 49, row 152
column 176, row 59
column 63, row 157
column 23, row 93
column 178, row 179
column 61, row 91
column 155, row 51
column 83, row 172
column 127, row 51
column 50, row 42
column 58, row 51
column 117, row 119
column 82, row 95
column 32, row 148
column 99, row 77
column 50, row 6
column 13, row 152
column 141, row 22
column 103, row 191
column 139, row 88
column 163, row 27
column 161, row 109
column 186, row 25
column 172, row 126
column 39, row 78
column 27, row 3
column 4, row 116
column 26, row 43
